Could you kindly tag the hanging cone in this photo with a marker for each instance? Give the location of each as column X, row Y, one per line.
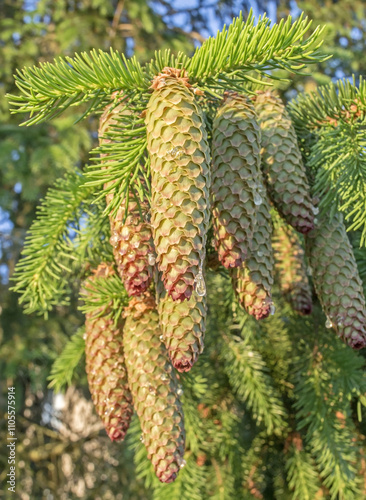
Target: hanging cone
column 105, row 367
column 336, row 280
column 253, row 281
column 282, row 163
column 154, row 388
column 131, row 237
column 180, row 180
column 236, row 177
column 183, row 326
column 133, row 247
column 291, row 268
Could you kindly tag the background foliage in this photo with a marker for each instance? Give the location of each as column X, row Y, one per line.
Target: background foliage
column 58, row 456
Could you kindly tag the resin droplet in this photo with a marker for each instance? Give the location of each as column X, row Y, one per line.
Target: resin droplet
column 84, row 336
column 176, row 152
column 310, row 271
column 136, row 244
column 114, row 239
column 315, row 210
column 182, row 464
column 258, row 200
column 260, row 254
column 272, row 309
column 131, row 256
column 260, row 188
column 200, row 285
column 161, row 338
column 125, row 233
column 180, row 391
column 328, row 323
column 315, row 221
column 142, row 438
column 151, row 259
column 199, row 281
column 164, row 376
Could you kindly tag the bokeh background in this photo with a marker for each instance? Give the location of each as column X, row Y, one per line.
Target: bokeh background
column 62, row 452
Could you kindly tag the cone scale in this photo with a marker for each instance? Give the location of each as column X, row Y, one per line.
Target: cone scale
column 105, row 367
column 131, row 236
column 291, row 268
column 180, row 181
column 154, row 388
column 236, row 177
column 336, row 280
column 282, row 163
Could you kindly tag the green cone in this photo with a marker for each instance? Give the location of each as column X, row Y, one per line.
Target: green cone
column 180, row 181
column 105, row 367
column 236, row 177
column 154, row 388
column 291, row 268
column 131, row 237
column 282, row 163
column 336, row 280
column 253, row 281
column 183, row 326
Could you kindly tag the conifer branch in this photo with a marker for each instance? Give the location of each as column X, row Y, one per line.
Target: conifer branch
column 249, row 377
column 302, row 476
column 245, row 47
column 122, row 165
column 343, row 101
column 51, row 88
column 235, row 56
column 41, row 276
column 104, row 297
column 62, row 371
column 91, row 245
column 340, row 176
column 323, row 409
column 335, row 115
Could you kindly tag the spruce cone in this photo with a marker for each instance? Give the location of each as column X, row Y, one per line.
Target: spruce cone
column 336, row 280
column 180, row 179
column 282, row 163
column 236, row 177
column 154, row 388
column 105, row 367
column 253, row 281
column 131, row 238
column 183, row 326
column 291, row 268
column 133, row 247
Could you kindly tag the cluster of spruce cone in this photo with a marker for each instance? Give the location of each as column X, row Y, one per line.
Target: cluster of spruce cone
column 250, row 153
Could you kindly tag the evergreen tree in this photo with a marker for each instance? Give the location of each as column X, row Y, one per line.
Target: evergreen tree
column 269, row 406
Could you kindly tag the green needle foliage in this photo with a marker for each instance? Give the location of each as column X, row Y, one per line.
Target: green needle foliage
column 42, row 274
column 249, row 377
column 245, row 47
column 127, row 165
column 103, row 297
column 331, row 124
column 302, row 476
column 63, row 369
column 47, row 90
